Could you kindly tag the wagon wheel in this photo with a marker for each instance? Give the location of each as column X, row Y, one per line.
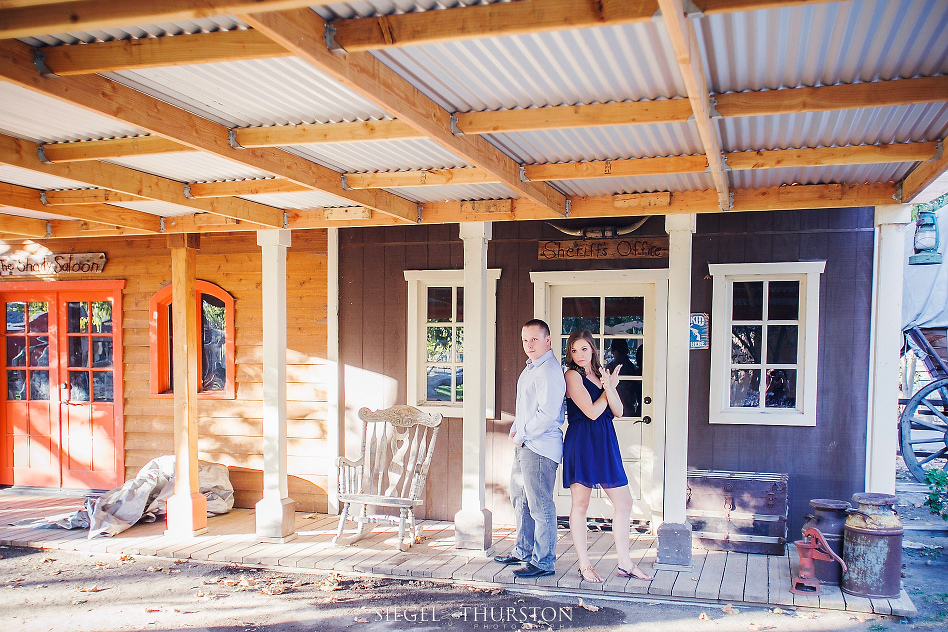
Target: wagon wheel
column 923, row 428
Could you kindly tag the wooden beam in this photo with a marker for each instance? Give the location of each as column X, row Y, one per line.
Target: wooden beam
column 243, row 187
column 512, row 18
column 110, row 148
column 428, row 177
column 155, row 52
column 26, row 198
column 874, row 94
column 88, row 15
column 616, row 168
column 923, row 175
column 88, row 196
column 826, row 156
column 22, row 226
column 366, row 75
column 103, row 96
column 20, row 153
column 813, row 196
column 278, row 136
column 684, row 41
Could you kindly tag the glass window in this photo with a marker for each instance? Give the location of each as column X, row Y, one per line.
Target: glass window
column 444, row 350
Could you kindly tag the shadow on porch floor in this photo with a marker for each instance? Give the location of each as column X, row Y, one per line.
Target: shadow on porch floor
column 717, row 576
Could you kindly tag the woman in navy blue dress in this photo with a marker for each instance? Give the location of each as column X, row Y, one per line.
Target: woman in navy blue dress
column 591, row 456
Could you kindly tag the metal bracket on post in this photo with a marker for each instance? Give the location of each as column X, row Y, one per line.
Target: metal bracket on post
column 41, row 154
column 49, row 230
column 345, row 185
column 523, row 174
column 39, row 60
column 232, row 139
column 454, row 126
column 724, row 165
column 43, row 199
column 692, row 10
column 713, row 109
column 286, row 220
column 569, row 207
column 420, row 214
column 730, row 202
column 161, row 224
column 897, row 196
column 939, row 150
column 187, row 191
column 329, row 34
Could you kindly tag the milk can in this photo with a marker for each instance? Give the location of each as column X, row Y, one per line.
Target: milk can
column 872, row 547
column 829, row 516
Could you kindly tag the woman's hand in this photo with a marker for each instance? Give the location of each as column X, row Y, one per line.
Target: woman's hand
column 611, row 380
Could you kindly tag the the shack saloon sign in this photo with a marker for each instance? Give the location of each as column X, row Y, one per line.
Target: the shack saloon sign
column 621, row 248
column 52, row 265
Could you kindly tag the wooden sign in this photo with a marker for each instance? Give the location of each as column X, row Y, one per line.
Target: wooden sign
column 48, row 265
column 621, row 248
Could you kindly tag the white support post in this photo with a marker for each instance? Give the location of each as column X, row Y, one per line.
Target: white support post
column 674, row 535
column 473, row 522
column 276, row 512
column 885, row 337
column 335, row 421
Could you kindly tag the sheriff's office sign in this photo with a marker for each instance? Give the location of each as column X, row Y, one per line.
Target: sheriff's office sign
column 622, row 248
column 52, row 265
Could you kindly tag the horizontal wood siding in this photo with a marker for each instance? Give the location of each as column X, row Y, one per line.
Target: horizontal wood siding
column 230, row 430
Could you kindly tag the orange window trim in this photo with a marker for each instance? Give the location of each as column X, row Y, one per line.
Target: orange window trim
column 158, row 359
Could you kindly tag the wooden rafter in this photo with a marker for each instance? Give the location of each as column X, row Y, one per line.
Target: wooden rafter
column 242, row 187
column 21, row 153
column 155, row 52
column 365, row 74
column 923, row 175
column 87, row 196
column 419, row 178
column 283, row 135
column 684, row 41
column 512, row 18
column 22, row 226
column 26, row 198
column 109, row 98
column 110, row 148
column 44, row 18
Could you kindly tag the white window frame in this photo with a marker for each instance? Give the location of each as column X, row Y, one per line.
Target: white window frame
column 723, row 276
column 418, row 283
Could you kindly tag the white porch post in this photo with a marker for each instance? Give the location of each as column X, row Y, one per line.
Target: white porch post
column 335, row 421
column 885, row 337
column 472, row 525
column 674, row 535
column 187, row 507
column 275, row 512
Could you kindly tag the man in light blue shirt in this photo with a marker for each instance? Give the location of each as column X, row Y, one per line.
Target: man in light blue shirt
column 539, row 440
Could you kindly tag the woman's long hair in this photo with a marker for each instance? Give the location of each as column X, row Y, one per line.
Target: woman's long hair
column 575, row 336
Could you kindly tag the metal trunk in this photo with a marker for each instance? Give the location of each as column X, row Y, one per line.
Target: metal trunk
column 872, row 547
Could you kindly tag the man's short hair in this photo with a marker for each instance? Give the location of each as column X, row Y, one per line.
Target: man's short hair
column 536, row 322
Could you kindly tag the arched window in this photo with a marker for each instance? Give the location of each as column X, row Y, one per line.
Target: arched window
column 215, row 311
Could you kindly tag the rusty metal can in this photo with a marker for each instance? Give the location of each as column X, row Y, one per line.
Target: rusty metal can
column 829, row 516
column 872, row 547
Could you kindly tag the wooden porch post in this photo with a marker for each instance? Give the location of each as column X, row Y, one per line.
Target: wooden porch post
column 472, row 525
column 276, row 512
column 187, row 508
column 885, row 335
column 674, row 535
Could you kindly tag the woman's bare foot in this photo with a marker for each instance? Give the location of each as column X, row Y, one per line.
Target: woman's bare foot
column 636, row 572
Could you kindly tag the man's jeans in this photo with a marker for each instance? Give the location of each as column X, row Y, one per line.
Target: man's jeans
column 531, row 491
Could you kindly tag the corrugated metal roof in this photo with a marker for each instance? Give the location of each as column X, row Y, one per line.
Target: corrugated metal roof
column 36, row 117
column 639, row 184
column 22, row 212
column 367, row 8
column 37, row 180
column 824, row 44
column 301, row 200
column 840, row 174
column 190, row 166
column 156, row 207
column 599, row 143
column 596, row 65
column 455, row 192
column 184, row 27
column 921, row 122
column 389, row 155
column 278, row 91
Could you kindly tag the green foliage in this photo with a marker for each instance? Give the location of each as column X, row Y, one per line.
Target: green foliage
column 937, row 500
column 877, row 627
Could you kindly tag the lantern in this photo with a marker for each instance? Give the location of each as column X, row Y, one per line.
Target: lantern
column 926, row 240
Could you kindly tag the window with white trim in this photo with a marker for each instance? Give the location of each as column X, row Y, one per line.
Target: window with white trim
column 765, row 331
column 436, row 339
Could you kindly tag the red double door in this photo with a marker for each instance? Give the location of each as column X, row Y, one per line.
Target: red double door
column 62, row 422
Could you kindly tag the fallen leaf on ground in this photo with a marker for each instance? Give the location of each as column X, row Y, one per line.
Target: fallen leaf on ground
column 273, row 589
column 806, row 615
column 298, row 583
column 77, row 602
column 93, row 588
column 126, row 559
column 779, row 611
column 49, row 559
column 205, row 595
column 361, row 620
column 704, row 617
column 729, row 609
column 152, row 609
column 757, row 627
column 588, row 606
column 497, row 591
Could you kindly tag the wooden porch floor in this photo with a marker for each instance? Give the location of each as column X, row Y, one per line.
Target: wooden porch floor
column 718, row 576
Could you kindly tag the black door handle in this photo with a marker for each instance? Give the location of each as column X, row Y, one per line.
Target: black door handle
column 647, row 400
column 644, row 420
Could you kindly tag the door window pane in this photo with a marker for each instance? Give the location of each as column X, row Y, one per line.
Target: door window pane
column 101, row 352
column 439, row 304
column 39, row 385
column 781, row 388
column 626, row 355
column 624, row 315
column 16, row 350
column 748, row 301
column 102, row 386
column 101, row 317
column 781, row 344
column 745, row 344
column 580, row 312
column 79, row 386
column 16, row 317
column 78, row 318
column 459, row 389
column 214, row 337
column 78, row 351
column 460, row 317
column 783, row 300
column 39, row 351
column 745, row 388
column 39, row 317
column 16, row 384
column 459, row 346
